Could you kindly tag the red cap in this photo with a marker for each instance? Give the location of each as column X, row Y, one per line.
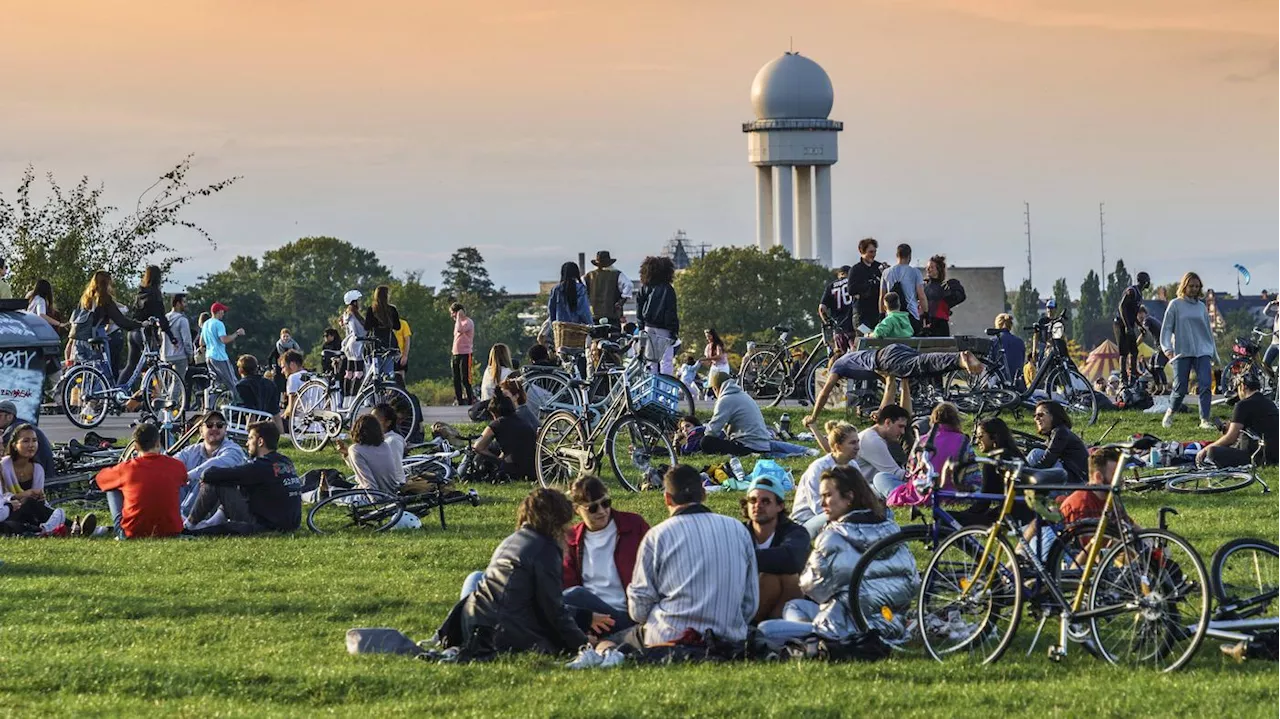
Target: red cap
column 218, row 307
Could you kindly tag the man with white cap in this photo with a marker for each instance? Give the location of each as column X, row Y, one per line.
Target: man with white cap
column 215, row 338
column 782, row 546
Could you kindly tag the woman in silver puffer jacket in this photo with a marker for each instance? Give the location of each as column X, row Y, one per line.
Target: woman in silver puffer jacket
column 891, row 582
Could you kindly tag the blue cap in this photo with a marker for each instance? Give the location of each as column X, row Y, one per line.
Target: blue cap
column 768, row 485
column 1051, row 304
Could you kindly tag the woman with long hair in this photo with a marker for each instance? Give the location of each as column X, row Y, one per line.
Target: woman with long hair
column 98, row 299
column 375, row 462
column 715, row 356
column 149, row 304
column 1186, row 338
column 1065, row 449
column 352, row 322
column 499, row 368
column 842, row 444
column 993, row 436
column 382, row 321
column 568, row 301
column 40, row 304
column 937, row 317
column 657, row 313
column 22, row 506
column 517, row 604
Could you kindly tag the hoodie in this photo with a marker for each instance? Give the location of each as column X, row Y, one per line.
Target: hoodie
column 738, row 417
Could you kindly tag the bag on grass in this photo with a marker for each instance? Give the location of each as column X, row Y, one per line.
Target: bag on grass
column 774, row 471
column 866, row 646
column 381, row 640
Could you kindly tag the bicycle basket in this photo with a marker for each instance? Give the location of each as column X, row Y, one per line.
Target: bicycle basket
column 657, row 397
column 570, row 335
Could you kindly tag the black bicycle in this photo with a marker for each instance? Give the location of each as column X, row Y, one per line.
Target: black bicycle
column 783, row 370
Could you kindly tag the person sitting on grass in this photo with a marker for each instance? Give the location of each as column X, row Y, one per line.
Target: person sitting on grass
column 948, row 440
column 888, row 586
column 516, row 439
column 695, row 573
column 896, row 323
column 1065, row 449
column 600, row 558
column 687, row 438
column 877, row 443
column 264, row 495
column 213, row 450
column 517, row 603
column 22, row 507
column 842, row 444
column 513, row 389
column 737, row 426
column 1254, row 412
column 993, row 437
column 387, row 419
column 143, row 492
column 257, row 392
column 374, row 460
column 781, row 546
column 892, row 362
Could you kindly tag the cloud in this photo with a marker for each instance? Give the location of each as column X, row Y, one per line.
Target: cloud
column 1268, row 70
column 1245, row 18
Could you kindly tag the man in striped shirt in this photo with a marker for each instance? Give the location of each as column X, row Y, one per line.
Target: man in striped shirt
column 696, row 570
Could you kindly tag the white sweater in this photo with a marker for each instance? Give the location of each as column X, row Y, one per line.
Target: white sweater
column 808, row 500
column 874, row 456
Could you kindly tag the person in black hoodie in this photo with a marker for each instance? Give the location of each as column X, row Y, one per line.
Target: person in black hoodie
column 517, row 604
column 381, row 321
column 782, row 546
column 264, row 495
column 149, row 304
column 656, row 312
column 1127, row 329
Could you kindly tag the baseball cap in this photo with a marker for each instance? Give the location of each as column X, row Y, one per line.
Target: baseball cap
column 768, row 485
column 218, row 307
column 1051, row 304
column 10, row 407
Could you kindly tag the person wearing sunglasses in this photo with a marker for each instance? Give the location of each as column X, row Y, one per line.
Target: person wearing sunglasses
column 599, row 558
column 1065, row 450
column 782, row 546
column 213, row 450
column 264, row 495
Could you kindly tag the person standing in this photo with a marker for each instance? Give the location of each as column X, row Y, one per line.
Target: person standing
column 381, row 320
column 608, row 289
column 1149, row 332
column 464, row 333
column 178, row 349
column 216, row 339
column 656, row 312
column 403, row 336
column 937, row 314
column 40, row 304
column 837, row 307
column 1187, row 340
column 908, row 283
column 1015, row 350
column 149, row 304
column 6, row 290
column 864, row 282
column 1126, row 328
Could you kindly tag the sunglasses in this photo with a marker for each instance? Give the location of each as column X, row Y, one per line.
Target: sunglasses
column 216, row 425
column 598, row 505
column 755, row 500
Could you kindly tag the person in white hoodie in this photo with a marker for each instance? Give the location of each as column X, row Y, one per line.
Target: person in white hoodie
column 842, row 443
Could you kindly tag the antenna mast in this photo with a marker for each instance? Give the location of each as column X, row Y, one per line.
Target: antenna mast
column 1102, row 239
column 1026, row 213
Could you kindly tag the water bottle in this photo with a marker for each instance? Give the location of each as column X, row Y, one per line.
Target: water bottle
column 1155, row 456
column 784, row 424
column 736, row 465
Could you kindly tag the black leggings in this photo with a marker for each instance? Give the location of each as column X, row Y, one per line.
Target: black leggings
column 135, row 356
column 712, row 444
column 26, row 518
column 461, row 365
column 1127, row 342
column 1229, row 457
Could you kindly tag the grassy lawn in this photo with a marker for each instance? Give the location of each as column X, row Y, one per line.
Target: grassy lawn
column 255, row 627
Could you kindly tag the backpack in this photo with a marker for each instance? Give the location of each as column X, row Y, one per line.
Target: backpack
column 953, row 292
column 82, row 324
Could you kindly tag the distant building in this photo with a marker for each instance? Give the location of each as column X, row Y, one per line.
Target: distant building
column 984, row 299
column 682, row 251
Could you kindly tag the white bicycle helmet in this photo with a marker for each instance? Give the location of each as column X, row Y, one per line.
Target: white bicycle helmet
column 351, row 296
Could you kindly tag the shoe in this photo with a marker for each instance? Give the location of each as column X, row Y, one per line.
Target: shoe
column 587, row 658
column 450, row 655
column 1167, row 422
column 1206, row 424
column 88, row 524
column 811, row 452
column 1236, row 651
column 612, row 658
column 56, row 520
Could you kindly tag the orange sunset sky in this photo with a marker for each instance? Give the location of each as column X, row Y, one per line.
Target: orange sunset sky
column 535, row 130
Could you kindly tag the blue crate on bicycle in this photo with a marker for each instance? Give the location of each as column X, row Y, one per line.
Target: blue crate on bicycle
column 658, row 397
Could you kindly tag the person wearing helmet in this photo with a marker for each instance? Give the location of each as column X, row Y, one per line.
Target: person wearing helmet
column 1256, row 413
column 213, row 333
column 353, row 342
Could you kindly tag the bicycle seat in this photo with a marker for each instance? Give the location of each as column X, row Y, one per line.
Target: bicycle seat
column 75, row 449
column 97, row 343
column 610, row 347
column 992, row 331
column 781, row 329
column 1138, row 444
column 93, row 439
column 1048, row 475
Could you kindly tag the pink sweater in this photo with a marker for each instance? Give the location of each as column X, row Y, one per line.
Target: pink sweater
column 464, row 332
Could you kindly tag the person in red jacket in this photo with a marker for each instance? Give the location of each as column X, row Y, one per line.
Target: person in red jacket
column 143, row 492
column 599, row 559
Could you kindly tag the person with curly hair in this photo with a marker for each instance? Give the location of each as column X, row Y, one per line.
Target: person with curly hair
column 656, row 312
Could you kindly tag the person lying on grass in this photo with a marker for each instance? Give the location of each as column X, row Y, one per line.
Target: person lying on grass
column 143, row 492
column 600, row 558
column 892, row 362
column 264, row 495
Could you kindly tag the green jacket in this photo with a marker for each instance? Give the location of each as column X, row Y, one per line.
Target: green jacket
column 894, row 324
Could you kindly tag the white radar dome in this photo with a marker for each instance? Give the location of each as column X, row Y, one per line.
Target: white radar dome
column 792, row 87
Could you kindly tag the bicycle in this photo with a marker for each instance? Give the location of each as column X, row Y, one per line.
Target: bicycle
column 772, row 371
column 319, row 416
column 566, row 440
column 1205, row 478
column 88, row 395
column 368, row 511
column 1245, row 573
column 993, row 390
column 1142, row 599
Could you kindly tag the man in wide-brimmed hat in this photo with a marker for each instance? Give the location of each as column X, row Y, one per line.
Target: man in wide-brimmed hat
column 607, row 289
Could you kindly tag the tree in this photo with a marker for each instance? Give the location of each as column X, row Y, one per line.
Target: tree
column 1026, row 306
column 237, row 288
column 1062, row 296
column 1089, row 311
column 466, row 278
column 72, row 233
column 1117, row 283
column 741, row 292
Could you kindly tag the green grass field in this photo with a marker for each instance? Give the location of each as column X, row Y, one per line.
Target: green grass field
column 255, row 627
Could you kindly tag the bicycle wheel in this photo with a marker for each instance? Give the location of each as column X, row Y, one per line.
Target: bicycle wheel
column 1151, row 598
column 762, row 377
column 406, row 417
column 549, row 391
column 1066, row 556
column 893, row 615
column 309, row 432
column 164, row 393
column 1211, row 482
column 1074, row 392
column 1246, row 572
column 638, row 451
column 968, row 612
column 80, row 504
column 86, row 396
column 359, row 511
column 558, row 432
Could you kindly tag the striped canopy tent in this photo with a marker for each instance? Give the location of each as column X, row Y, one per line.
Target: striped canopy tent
column 1102, row 361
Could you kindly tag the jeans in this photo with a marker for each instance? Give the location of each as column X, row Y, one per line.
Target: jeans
column 470, row 584
column 1036, row 456
column 129, row 373
column 115, row 504
column 884, row 483
column 179, row 366
column 1269, row 355
column 786, row 449
column 187, row 496
column 1182, row 367
column 234, row 505
column 796, row 623
column 815, row 524
column 580, row 598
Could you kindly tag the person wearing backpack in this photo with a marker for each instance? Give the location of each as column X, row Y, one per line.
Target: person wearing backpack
column 149, row 304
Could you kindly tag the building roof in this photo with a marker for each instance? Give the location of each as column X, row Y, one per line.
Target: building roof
column 792, row 87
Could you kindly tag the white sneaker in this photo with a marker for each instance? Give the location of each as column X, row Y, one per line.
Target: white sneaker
column 811, row 452
column 612, row 658
column 1167, row 422
column 1206, row 424
column 587, row 658
column 57, row 519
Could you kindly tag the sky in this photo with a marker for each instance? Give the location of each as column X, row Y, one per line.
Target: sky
column 537, row 129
